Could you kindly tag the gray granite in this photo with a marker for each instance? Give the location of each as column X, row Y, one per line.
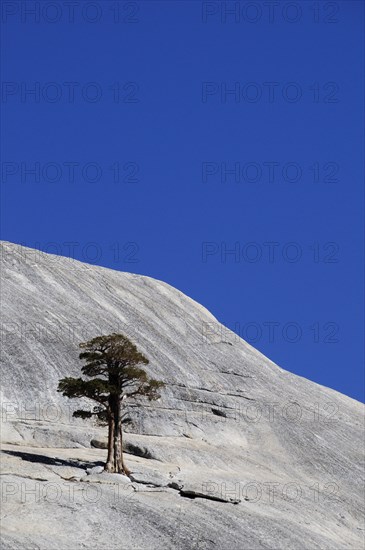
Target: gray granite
column 237, row 453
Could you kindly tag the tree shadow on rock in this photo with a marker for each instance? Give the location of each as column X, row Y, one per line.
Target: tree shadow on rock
column 54, row 461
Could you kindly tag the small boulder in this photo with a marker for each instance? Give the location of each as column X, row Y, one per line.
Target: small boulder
column 98, row 444
column 152, row 478
column 137, row 450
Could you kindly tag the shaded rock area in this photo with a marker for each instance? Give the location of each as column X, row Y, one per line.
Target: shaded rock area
column 236, row 454
column 99, row 444
column 137, row 450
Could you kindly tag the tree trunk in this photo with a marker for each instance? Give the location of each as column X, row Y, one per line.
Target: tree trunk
column 115, row 462
column 109, row 460
column 124, row 467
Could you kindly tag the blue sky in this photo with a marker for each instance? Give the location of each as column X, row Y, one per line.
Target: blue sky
column 220, row 151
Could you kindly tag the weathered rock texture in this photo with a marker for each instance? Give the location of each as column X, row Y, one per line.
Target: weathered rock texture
column 237, row 454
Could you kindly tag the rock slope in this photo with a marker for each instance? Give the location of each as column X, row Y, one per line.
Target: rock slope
column 237, row 454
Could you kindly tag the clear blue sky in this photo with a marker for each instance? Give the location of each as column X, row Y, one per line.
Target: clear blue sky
column 138, row 117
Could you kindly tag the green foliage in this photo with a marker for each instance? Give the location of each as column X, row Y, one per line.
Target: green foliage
column 105, row 353
column 96, row 389
column 113, row 364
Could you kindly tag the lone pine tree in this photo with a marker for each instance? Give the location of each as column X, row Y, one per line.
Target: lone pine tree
column 112, row 364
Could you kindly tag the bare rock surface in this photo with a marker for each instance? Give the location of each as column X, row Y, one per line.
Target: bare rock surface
column 237, row 453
